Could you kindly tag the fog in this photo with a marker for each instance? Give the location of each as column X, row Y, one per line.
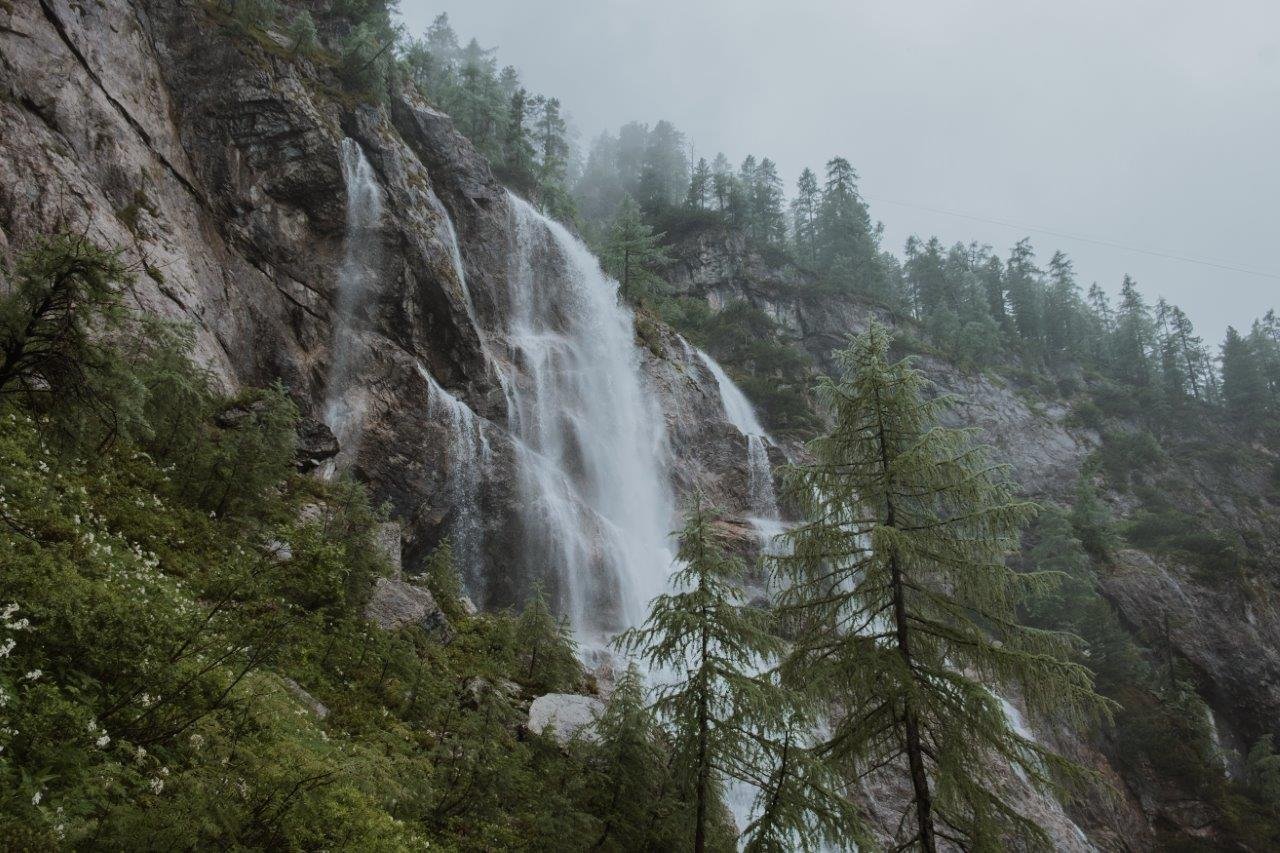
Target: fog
column 1151, row 125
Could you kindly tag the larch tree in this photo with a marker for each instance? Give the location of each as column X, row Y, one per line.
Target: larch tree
column 897, row 589
column 727, row 716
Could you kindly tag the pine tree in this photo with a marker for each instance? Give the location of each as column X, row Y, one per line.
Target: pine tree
column 898, row 591
column 1025, row 295
column 1244, row 388
column 302, row 32
column 517, row 150
column 722, row 182
column 699, row 186
column 545, row 649
column 1134, row 338
column 804, row 216
column 635, row 801
column 848, row 253
column 1063, row 310
column 770, row 223
column 630, row 253
column 664, row 176
column 440, row 573
column 725, row 722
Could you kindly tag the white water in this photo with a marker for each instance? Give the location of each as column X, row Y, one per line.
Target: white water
column 344, row 401
column 591, row 441
column 469, row 458
column 765, row 516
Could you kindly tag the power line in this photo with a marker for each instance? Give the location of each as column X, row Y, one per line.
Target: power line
column 1095, row 240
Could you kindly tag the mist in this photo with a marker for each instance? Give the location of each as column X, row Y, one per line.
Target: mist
column 1150, row 126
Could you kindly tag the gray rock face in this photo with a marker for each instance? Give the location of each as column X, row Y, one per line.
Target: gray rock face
column 564, row 716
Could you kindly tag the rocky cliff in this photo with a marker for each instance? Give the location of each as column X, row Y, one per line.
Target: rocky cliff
column 216, row 161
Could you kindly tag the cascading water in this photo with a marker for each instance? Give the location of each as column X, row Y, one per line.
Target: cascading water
column 591, row 441
column 344, row 404
column 470, row 456
column 738, row 409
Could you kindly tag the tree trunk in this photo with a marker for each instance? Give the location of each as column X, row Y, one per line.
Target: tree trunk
column 911, row 722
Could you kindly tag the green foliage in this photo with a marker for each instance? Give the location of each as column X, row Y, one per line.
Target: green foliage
column 256, row 14
column 904, row 609
column 631, row 252
column 440, row 573
column 1124, row 454
column 1167, row 530
column 61, row 301
column 525, row 136
column 724, row 722
column 1262, row 773
column 302, row 33
column 1091, row 519
column 175, row 604
column 366, row 60
column 546, row 653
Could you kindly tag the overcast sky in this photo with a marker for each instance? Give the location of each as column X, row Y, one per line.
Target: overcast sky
column 1153, row 124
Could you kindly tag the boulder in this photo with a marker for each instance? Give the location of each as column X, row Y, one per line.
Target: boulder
column 565, row 716
column 396, row 604
column 317, row 708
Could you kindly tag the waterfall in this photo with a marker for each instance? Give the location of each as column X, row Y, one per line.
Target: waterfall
column 591, row 441
column 344, row 404
column 469, row 458
column 765, row 516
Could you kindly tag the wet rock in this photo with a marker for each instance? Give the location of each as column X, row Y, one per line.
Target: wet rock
column 564, row 716
column 316, row 444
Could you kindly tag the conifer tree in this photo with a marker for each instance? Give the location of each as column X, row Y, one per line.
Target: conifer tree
column 631, row 251
column 905, row 610
column 637, row 805
column 804, row 216
column 1025, row 295
column 441, row 576
column 766, row 204
column 722, row 181
column 1134, row 337
column 302, row 32
column 545, row 649
column 517, row 150
column 1244, row 388
column 664, row 176
column 1063, row 310
column 848, row 254
column 725, row 721
column 699, row 186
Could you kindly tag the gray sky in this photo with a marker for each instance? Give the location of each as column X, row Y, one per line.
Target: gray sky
column 1148, row 123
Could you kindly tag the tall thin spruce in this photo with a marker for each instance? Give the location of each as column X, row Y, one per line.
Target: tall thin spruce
column 897, row 590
